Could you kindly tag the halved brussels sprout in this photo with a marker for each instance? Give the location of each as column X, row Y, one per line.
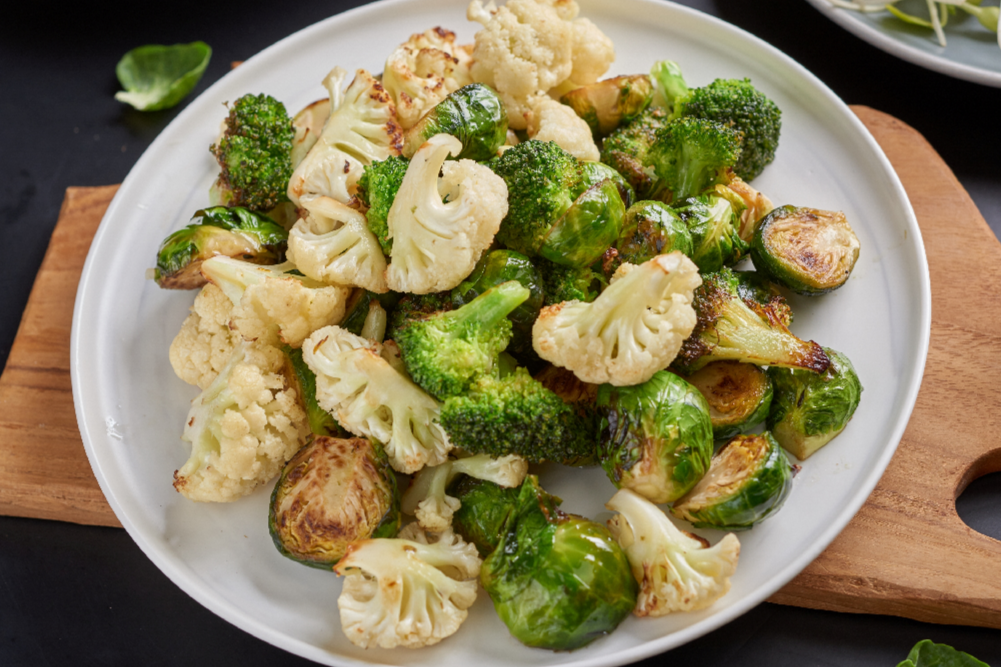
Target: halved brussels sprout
column 557, row 580
column 739, row 395
column 656, row 437
column 219, row 230
column 473, row 114
column 590, row 225
column 808, row 250
column 714, row 225
column 595, row 172
column 810, row 409
column 333, row 492
column 754, row 288
column 749, row 479
column 607, row 104
column 483, row 512
column 651, row 228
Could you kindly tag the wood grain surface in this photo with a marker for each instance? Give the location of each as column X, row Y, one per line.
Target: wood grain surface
column 907, row 552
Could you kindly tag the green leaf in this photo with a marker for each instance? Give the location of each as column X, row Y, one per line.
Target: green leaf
column 158, row 77
column 927, row 653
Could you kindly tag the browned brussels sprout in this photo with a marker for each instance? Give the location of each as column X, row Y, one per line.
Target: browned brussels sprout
column 805, row 249
column 749, row 479
column 649, row 229
column 739, row 395
column 331, row 493
column 607, row 104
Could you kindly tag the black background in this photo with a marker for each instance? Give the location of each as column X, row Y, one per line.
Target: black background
column 78, row 595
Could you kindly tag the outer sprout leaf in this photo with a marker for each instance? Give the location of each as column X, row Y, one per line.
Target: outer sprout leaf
column 158, row 77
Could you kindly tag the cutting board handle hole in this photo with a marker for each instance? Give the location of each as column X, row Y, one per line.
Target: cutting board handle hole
column 978, row 498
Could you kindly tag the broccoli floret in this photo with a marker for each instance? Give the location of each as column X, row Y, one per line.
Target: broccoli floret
column 255, row 153
column 562, row 283
column 377, row 188
column 515, row 414
column 731, row 327
column 543, row 180
column 625, row 150
column 738, row 104
column 445, row 352
column 691, row 155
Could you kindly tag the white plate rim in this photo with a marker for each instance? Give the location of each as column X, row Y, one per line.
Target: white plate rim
column 942, row 64
column 245, row 621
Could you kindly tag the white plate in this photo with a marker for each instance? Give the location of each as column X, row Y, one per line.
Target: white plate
column 971, row 52
column 131, row 407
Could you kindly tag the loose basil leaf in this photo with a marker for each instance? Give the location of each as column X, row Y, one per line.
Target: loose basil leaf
column 927, row 653
column 158, row 77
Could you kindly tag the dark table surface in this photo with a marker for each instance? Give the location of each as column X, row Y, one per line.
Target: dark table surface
column 79, row 595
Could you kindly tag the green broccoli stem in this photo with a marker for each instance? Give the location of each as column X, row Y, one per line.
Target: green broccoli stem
column 487, row 310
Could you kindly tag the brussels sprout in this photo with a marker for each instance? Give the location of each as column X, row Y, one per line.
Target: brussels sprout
column 714, row 226
column 331, row 493
column 483, row 512
column 808, row 250
column 473, row 114
column 651, row 228
column 595, row 172
column 625, row 150
column 500, row 266
column 607, row 104
column 557, row 580
column 233, row 232
column 739, row 395
column 810, row 409
column 588, row 228
column 656, row 437
column 748, row 479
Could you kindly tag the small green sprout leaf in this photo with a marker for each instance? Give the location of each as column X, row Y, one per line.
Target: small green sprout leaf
column 158, row 77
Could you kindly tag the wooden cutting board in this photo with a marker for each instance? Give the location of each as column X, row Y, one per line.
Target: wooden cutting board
column 906, row 553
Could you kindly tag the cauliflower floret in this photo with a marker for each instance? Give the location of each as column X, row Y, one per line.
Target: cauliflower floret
column 437, row 243
column 528, row 47
column 333, row 244
column 371, row 398
column 549, row 120
column 272, row 305
column 525, row 48
column 593, row 53
column 205, row 342
column 423, row 70
column 406, row 592
column 242, row 427
column 676, row 571
column 426, row 498
column 362, row 128
column 632, row 330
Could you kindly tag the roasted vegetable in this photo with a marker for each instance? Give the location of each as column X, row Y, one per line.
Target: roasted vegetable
column 691, row 156
column 234, row 232
column 255, row 153
column 808, row 250
column 739, row 395
column 714, row 226
column 626, row 150
column 656, row 437
column 731, row 327
column 321, row 422
column 748, row 480
column 331, row 493
column 473, row 114
column 377, row 189
column 651, row 228
column 738, row 104
column 557, row 580
column 810, row 409
column 483, row 510
column 607, row 104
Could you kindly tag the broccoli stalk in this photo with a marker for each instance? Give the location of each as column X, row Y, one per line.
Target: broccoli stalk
column 731, row 327
column 445, row 352
column 692, row 155
column 255, row 153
